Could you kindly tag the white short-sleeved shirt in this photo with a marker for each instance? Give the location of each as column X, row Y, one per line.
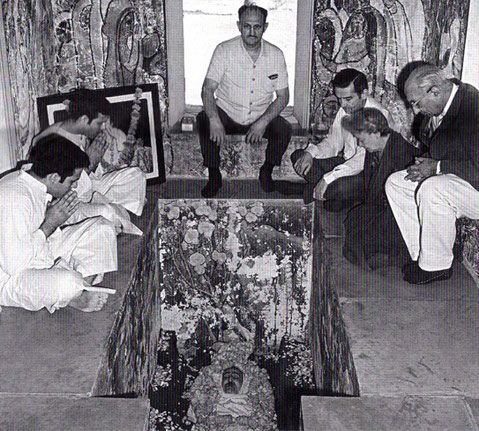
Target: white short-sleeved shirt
column 245, row 87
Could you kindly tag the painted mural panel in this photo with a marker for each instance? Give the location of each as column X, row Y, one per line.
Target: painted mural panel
column 379, row 37
column 54, row 46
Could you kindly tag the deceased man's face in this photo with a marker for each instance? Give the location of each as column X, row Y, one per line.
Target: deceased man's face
column 232, row 380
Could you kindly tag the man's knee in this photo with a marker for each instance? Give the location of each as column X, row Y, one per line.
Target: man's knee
column 281, row 128
column 431, row 188
column 202, row 121
column 104, row 227
column 346, row 188
column 296, row 155
column 392, row 181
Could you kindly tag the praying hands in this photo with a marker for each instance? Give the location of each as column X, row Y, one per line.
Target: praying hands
column 96, row 150
column 59, row 212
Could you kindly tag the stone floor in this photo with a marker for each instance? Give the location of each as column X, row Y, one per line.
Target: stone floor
column 415, row 350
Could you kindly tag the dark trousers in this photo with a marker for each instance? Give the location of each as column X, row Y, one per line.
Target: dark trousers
column 278, row 132
column 371, row 229
column 346, row 189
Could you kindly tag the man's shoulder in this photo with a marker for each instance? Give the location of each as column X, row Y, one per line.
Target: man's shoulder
column 13, row 184
column 229, row 45
column 371, row 102
column 272, row 49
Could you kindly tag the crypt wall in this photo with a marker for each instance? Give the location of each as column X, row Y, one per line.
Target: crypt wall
column 56, row 45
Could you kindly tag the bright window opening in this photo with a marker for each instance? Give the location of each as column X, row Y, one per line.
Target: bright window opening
column 209, row 22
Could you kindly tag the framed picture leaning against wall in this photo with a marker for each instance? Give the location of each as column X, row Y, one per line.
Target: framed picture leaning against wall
column 135, row 134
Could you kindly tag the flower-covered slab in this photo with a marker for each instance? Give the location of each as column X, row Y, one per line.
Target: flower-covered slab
column 239, row 268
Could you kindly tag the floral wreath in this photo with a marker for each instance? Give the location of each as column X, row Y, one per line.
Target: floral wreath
column 259, row 392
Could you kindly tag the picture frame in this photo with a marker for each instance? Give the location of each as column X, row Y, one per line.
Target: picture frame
column 148, row 134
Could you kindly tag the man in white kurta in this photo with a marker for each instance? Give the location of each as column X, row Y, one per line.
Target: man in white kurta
column 42, row 265
column 331, row 167
column 88, row 117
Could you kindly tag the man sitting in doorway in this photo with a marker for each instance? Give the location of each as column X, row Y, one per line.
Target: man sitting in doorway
column 243, row 75
column 42, row 265
column 372, row 235
column 88, row 115
column 332, row 168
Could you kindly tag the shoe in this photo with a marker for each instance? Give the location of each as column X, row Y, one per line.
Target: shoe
column 407, row 266
column 212, row 187
column 267, row 183
column 416, row 275
column 378, row 260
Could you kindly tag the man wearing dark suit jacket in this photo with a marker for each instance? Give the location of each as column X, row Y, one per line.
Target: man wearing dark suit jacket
column 371, row 232
column 432, row 194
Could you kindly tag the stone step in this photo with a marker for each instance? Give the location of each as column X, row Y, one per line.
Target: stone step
column 422, row 347
column 405, row 412
column 40, row 413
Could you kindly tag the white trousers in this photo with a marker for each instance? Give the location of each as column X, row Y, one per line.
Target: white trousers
column 87, row 248
column 426, row 215
column 125, row 187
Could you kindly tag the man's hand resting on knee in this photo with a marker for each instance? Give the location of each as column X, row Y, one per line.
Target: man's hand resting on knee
column 217, row 131
column 303, row 164
column 59, row 212
column 256, row 131
column 423, row 168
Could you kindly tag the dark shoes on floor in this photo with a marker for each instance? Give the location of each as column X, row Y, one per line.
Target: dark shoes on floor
column 267, row 183
column 415, row 275
column 212, row 186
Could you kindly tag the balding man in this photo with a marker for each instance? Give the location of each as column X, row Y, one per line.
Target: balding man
column 431, row 195
column 244, row 75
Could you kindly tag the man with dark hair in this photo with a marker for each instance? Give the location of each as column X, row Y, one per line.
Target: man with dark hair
column 42, row 265
column 244, row 74
column 441, row 187
column 372, row 235
column 331, row 168
column 88, row 116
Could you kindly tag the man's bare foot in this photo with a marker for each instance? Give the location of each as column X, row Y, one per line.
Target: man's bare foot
column 89, row 301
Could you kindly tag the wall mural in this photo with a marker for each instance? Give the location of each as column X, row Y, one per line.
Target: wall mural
column 54, row 46
column 379, row 37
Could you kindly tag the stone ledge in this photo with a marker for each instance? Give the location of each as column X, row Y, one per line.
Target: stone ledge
column 73, row 414
column 238, row 160
column 386, row 413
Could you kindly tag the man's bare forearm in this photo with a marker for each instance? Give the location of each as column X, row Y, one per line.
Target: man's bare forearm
column 209, row 104
column 275, row 108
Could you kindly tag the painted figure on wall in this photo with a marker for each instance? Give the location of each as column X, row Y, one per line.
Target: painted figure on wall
column 399, row 39
column 84, row 43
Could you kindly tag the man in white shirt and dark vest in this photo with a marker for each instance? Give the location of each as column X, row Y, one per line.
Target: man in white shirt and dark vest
column 243, row 76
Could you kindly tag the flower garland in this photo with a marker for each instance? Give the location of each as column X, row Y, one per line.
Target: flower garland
column 205, row 392
column 134, row 117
